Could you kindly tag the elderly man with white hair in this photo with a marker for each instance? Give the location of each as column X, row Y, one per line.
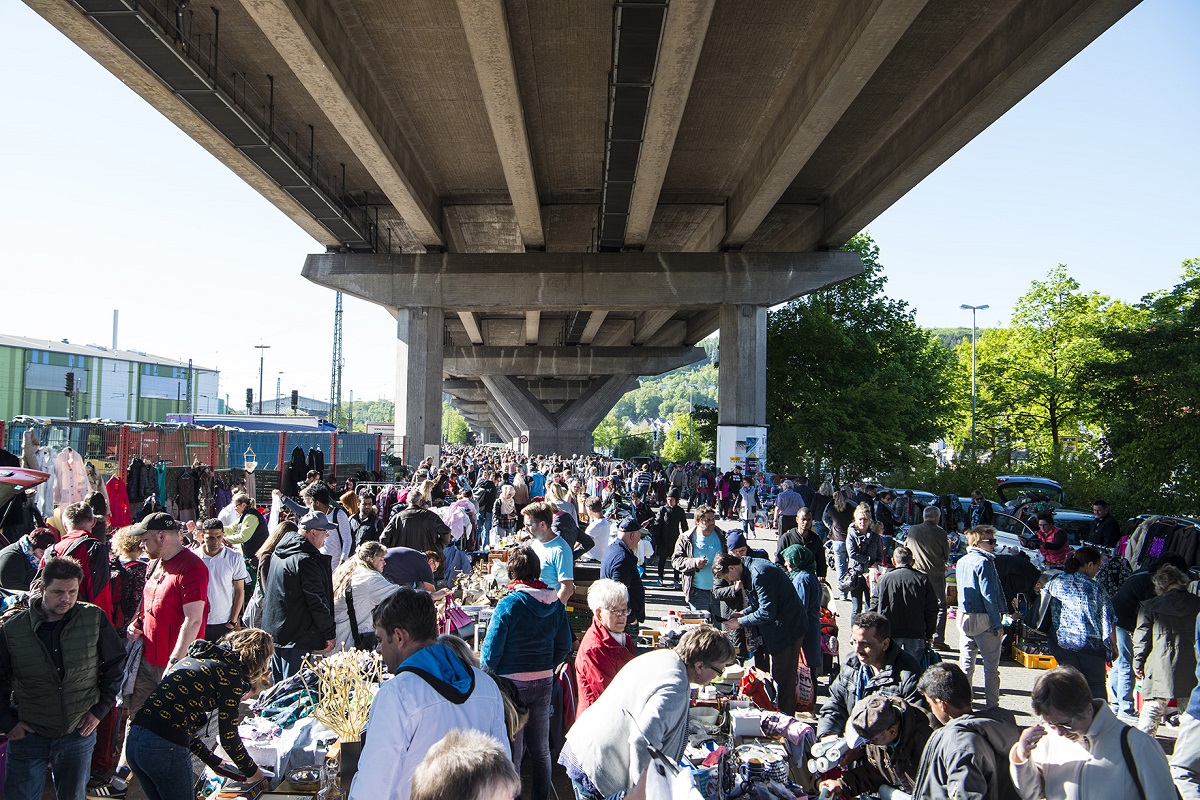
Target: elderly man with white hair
column 931, row 553
column 787, row 506
column 605, row 647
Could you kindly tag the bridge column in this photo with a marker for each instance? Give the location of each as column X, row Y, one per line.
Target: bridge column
column 742, row 377
column 419, row 350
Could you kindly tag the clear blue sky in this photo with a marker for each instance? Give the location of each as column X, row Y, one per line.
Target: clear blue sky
column 108, row 206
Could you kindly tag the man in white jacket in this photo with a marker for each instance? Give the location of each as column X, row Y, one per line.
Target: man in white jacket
column 433, row 693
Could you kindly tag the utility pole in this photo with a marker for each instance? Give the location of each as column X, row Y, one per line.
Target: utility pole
column 973, row 310
column 261, row 348
column 335, row 385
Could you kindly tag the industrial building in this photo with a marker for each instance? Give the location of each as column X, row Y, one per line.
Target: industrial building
column 117, row 385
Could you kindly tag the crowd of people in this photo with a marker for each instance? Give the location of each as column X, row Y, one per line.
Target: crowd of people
column 120, row 645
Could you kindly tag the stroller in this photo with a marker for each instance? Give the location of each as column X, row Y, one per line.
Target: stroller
column 830, row 662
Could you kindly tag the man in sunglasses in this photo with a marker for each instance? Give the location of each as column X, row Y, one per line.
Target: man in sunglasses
column 1079, row 748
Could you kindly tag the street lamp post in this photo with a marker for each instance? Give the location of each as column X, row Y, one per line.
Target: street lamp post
column 973, row 310
column 261, row 348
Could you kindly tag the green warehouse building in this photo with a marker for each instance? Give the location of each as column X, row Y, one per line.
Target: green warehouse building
column 116, row 385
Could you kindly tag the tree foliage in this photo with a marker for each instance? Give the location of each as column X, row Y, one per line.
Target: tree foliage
column 682, row 444
column 853, row 383
column 454, row 425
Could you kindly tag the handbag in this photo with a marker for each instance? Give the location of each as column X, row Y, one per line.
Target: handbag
column 452, row 617
column 806, row 690
column 355, row 636
column 931, row 657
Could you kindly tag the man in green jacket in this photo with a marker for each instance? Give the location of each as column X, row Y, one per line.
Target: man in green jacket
column 61, row 663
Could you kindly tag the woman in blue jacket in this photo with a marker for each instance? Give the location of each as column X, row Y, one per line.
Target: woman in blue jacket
column 528, row 637
column 801, row 567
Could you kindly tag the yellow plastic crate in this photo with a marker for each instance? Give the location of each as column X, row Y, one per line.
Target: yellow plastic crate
column 1033, row 660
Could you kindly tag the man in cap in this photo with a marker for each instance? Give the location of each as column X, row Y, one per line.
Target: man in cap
column 227, row 577
column 621, row 565
column 298, row 596
column 894, row 733
column 174, row 608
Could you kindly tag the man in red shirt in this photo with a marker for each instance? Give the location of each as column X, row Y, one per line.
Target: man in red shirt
column 174, row 608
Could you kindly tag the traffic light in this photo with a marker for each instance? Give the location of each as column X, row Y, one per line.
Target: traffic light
column 295, row 400
column 70, row 390
column 249, row 401
column 679, row 436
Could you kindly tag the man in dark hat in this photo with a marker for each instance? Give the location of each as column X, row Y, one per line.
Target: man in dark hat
column 298, row 596
column 620, row 564
column 894, row 734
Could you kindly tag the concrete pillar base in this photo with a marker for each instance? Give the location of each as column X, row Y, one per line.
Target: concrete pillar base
column 419, row 351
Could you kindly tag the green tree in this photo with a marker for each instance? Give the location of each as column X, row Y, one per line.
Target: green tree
column 852, row 382
column 607, row 433
column 1145, row 393
column 1034, row 374
column 681, row 444
column 454, row 426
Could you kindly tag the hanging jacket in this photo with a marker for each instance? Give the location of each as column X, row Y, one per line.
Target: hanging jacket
column 316, row 460
column 186, row 486
column 71, row 484
column 297, row 467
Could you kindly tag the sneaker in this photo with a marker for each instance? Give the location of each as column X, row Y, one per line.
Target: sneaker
column 106, row 792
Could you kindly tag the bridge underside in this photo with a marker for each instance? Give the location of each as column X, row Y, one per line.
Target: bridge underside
column 538, row 129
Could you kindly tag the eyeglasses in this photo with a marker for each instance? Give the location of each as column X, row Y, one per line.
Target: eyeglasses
column 1066, row 726
column 708, row 519
column 620, row 612
column 987, row 541
column 715, row 668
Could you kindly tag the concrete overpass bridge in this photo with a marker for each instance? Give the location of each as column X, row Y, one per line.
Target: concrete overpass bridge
column 553, row 197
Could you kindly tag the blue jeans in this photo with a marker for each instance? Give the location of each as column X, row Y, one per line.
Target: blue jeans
column 485, row 526
column 535, row 735
column 585, row 792
column 69, row 758
column 164, row 769
column 287, row 661
column 748, row 527
column 1120, row 680
column 701, row 600
column 841, row 560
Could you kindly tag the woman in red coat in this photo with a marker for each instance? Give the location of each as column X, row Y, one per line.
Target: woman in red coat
column 605, row 647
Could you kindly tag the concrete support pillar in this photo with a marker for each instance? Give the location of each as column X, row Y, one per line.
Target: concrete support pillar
column 742, row 380
column 419, row 351
column 567, row 431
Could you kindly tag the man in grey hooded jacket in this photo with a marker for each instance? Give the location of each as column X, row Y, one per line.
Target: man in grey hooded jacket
column 967, row 758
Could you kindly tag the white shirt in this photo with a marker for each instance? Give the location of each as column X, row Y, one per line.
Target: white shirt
column 601, row 533
column 338, row 544
column 224, row 568
column 370, row 589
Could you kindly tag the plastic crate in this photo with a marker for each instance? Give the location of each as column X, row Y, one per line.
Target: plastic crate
column 1033, row 660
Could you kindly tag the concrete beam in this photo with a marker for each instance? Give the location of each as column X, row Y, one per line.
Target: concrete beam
column 1017, row 55
column 521, row 406
column 684, row 30
column 813, row 110
column 592, row 406
column 701, row 325
column 648, row 323
column 67, row 18
column 533, row 321
column 470, row 321
column 559, row 361
column 373, row 137
column 595, row 320
column 486, row 27
column 569, row 281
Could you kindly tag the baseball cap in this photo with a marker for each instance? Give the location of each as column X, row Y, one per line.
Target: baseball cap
column 871, row 716
column 630, row 524
column 316, row 520
column 674, row 492
column 158, row 521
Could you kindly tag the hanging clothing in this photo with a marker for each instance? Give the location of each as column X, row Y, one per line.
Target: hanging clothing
column 249, row 483
column 295, row 473
column 204, row 491
column 141, row 481
column 70, row 478
column 96, row 483
column 160, row 475
column 186, row 489
column 29, row 448
column 316, row 460
column 119, row 514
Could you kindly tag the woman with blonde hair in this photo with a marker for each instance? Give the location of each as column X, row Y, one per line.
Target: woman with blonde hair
column 214, row 676
column 521, row 488
column 359, row 586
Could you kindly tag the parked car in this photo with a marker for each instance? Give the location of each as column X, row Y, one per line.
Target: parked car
column 13, row 483
column 965, row 500
column 1077, row 524
column 1015, row 491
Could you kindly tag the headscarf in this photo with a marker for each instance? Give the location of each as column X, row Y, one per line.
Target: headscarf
column 798, row 558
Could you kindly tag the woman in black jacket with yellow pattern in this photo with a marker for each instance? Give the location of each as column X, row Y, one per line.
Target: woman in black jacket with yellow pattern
column 213, row 677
